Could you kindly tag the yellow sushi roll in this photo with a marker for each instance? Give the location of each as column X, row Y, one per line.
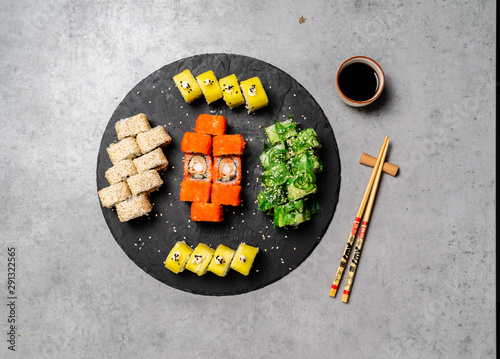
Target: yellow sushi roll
column 209, row 86
column 231, row 91
column 254, row 93
column 200, row 259
column 178, row 257
column 188, row 86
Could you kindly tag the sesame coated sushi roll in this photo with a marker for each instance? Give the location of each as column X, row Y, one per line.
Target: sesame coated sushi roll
column 144, row 182
column 120, row 171
column 188, row 86
column 243, row 258
column 197, row 167
column 195, row 191
column 200, row 259
column 196, row 143
column 228, row 145
column 156, row 137
column 211, row 124
column 231, row 91
column 226, row 195
column 209, row 86
column 133, row 207
column 254, row 94
column 227, row 170
column 178, row 257
column 206, row 212
column 222, row 260
column 123, row 150
column 154, row 160
column 114, row 194
column 131, row 126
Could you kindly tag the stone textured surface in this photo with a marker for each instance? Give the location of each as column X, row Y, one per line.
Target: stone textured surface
column 425, row 284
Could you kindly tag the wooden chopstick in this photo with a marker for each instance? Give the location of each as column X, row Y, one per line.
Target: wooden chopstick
column 352, row 235
column 362, row 231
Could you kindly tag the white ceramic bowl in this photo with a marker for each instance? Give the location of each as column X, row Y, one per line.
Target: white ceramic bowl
column 367, row 61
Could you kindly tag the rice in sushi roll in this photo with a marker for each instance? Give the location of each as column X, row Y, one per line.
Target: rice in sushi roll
column 131, row 126
column 197, row 167
column 227, row 170
column 133, row 207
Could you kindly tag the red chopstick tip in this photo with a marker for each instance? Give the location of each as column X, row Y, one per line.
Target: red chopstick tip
column 347, row 292
column 335, row 286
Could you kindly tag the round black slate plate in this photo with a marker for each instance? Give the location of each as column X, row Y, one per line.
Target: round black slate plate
column 148, row 240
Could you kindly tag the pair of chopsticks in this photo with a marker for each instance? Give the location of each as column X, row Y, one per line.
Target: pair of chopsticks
column 369, row 196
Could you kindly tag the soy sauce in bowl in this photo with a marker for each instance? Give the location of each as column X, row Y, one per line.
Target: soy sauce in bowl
column 358, row 81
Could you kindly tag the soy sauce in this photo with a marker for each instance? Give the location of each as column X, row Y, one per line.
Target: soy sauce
column 358, row 81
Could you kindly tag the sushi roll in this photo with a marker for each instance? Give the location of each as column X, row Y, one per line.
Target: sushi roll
column 274, row 156
column 196, row 143
column 211, row 124
column 221, row 262
column 228, row 145
column 120, row 171
column 304, row 161
column 178, row 257
column 276, row 176
column 209, row 86
column 200, row 259
column 133, row 207
column 154, row 138
column 294, row 213
column 231, row 91
column 271, row 197
column 254, row 94
column 280, row 131
column 144, row 182
column 304, row 141
column 206, row 212
column 188, row 86
column 195, row 191
column 197, row 167
column 227, row 170
column 226, row 195
column 131, row 126
column 301, row 185
column 123, row 150
column 243, row 258
column 154, row 160
column 114, row 194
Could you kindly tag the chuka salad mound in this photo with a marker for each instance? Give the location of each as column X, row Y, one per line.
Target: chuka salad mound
column 290, row 163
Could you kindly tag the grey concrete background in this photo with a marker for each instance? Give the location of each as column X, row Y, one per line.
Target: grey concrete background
column 425, row 285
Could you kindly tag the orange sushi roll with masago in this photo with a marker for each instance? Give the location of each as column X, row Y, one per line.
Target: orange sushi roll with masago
column 196, row 143
column 197, row 167
column 195, row 191
column 210, row 124
column 227, row 170
column 228, row 145
column 226, row 195
column 206, row 212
